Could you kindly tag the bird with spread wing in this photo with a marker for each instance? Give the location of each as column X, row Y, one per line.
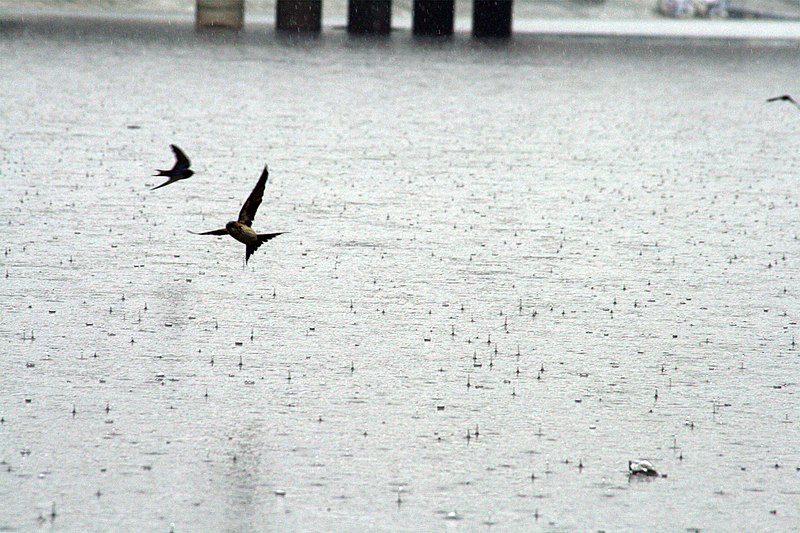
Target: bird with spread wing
column 784, row 98
column 179, row 171
column 242, row 229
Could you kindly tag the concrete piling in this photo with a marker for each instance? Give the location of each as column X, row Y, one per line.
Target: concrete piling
column 491, row 18
column 228, row 14
column 369, row 17
column 433, row 17
column 299, row 16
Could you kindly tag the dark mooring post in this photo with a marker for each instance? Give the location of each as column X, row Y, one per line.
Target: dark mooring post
column 219, row 14
column 491, row 18
column 299, row 16
column 433, row 17
column 373, row 17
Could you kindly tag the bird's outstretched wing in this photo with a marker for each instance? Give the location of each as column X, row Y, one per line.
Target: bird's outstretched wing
column 784, row 98
column 181, row 161
column 248, row 212
column 222, row 231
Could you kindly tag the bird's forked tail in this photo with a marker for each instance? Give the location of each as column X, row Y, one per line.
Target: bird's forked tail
column 262, row 238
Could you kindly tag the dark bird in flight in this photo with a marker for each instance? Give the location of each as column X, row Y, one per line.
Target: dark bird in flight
column 179, row 171
column 241, row 229
column 784, row 98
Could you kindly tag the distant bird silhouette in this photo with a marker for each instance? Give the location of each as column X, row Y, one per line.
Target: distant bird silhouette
column 784, row 98
column 241, row 229
column 180, row 171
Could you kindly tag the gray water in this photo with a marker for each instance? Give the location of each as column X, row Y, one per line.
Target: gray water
column 510, row 269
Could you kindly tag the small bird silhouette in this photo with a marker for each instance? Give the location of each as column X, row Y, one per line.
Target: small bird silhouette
column 180, row 171
column 784, row 98
column 241, row 229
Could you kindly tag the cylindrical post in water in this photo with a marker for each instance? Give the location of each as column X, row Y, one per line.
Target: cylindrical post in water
column 220, row 14
column 299, row 16
column 433, row 17
column 491, row 18
column 369, row 16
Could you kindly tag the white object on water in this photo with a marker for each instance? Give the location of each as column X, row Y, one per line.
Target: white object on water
column 641, row 468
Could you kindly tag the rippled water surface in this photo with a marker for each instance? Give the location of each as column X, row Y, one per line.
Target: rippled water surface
column 510, row 269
